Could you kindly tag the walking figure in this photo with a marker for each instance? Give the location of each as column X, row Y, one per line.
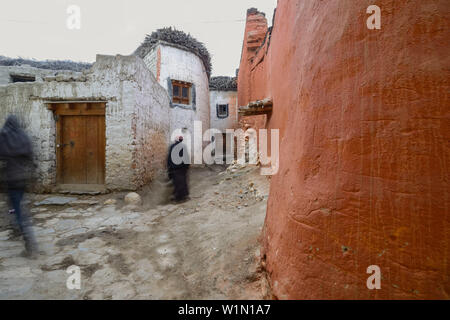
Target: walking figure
column 16, row 150
column 178, row 166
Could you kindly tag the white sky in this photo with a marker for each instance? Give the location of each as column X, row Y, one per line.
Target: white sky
column 37, row 29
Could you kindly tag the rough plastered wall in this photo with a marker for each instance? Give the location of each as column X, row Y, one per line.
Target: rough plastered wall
column 132, row 97
column 38, row 122
column 151, row 128
column 252, row 76
column 178, row 64
column 153, row 61
column 222, row 124
column 364, row 150
column 223, row 97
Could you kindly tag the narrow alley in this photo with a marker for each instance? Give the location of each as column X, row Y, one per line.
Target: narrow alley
column 205, row 248
column 225, row 150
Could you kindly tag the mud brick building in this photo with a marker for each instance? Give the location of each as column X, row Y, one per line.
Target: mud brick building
column 105, row 128
column 125, row 109
column 224, row 113
column 181, row 65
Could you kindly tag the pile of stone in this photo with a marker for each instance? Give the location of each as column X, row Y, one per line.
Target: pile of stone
column 235, row 166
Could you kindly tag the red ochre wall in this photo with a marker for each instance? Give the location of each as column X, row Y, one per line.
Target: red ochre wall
column 253, row 83
column 364, row 175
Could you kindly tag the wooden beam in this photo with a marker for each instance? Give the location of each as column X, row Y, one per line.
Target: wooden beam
column 74, row 109
column 255, row 111
column 73, row 101
column 257, row 107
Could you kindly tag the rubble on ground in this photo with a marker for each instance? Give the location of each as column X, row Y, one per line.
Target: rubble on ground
column 201, row 249
column 133, row 198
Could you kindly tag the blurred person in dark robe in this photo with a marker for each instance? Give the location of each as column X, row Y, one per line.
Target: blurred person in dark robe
column 178, row 166
column 16, row 151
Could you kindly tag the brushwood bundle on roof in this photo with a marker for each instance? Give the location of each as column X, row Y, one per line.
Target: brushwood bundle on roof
column 223, row 83
column 255, row 11
column 47, row 64
column 178, row 38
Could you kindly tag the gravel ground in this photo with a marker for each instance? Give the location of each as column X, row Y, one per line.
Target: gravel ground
column 205, row 248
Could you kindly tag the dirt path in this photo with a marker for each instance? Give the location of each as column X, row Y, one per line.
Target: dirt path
column 206, row 248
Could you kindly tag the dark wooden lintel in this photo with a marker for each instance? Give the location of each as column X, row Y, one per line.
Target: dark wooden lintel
column 257, row 107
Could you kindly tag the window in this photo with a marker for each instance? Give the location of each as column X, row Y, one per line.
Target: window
column 181, row 92
column 22, row 78
column 222, row 111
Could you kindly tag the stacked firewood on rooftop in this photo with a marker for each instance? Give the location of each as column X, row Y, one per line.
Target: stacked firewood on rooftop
column 223, row 83
column 177, row 37
column 47, row 64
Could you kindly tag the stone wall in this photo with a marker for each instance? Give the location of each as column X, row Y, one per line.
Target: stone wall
column 39, row 123
column 364, row 149
column 137, row 117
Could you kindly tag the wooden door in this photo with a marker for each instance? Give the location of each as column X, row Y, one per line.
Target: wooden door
column 95, row 149
column 80, row 143
column 224, row 146
column 73, row 146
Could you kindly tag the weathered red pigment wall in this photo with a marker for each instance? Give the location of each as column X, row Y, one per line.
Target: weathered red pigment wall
column 365, row 149
column 252, row 72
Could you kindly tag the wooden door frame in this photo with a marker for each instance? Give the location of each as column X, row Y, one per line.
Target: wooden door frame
column 61, row 109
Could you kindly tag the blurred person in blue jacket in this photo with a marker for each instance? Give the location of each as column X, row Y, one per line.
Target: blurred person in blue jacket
column 16, row 151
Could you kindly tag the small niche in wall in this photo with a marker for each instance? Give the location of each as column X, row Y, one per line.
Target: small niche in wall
column 22, row 78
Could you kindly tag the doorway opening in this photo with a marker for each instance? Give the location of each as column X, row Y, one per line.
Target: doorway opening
column 80, row 144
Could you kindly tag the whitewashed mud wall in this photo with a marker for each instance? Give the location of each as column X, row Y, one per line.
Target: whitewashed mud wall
column 137, row 118
column 223, row 97
column 182, row 65
column 151, row 61
column 150, row 127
